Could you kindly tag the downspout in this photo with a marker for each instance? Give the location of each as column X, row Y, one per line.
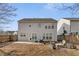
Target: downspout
column 70, row 31
column 70, row 27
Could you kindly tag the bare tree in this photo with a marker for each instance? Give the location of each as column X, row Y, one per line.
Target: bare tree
column 72, row 8
column 6, row 13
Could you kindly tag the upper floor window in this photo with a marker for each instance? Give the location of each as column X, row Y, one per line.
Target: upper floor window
column 45, row 27
column 49, row 27
column 39, row 25
column 52, row 27
column 29, row 25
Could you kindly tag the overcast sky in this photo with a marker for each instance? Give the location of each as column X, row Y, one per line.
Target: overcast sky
column 25, row 10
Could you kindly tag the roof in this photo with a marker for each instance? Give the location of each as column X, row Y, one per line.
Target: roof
column 73, row 19
column 40, row 20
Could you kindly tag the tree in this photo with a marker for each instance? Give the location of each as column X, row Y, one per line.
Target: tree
column 73, row 8
column 6, row 13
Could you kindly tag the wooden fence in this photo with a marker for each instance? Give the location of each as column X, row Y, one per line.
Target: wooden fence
column 70, row 38
column 6, row 38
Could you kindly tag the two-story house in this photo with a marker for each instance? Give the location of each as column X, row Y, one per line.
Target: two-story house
column 36, row 29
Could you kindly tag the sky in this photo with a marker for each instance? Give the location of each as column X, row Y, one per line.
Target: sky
column 36, row 10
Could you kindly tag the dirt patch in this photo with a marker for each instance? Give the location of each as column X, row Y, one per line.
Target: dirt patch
column 22, row 49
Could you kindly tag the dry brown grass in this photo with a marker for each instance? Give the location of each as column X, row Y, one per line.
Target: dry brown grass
column 22, row 49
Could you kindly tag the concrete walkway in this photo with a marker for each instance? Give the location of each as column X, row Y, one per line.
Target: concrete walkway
column 26, row 42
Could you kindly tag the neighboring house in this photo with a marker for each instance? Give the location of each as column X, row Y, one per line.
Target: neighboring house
column 36, row 29
column 71, row 25
column 8, row 32
column 11, row 32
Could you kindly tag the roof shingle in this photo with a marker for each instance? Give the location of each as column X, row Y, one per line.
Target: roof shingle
column 72, row 18
column 37, row 20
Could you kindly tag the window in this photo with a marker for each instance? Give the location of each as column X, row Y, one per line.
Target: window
column 45, row 27
column 39, row 25
column 47, row 37
column 23, row 35
column 46, row 34
column 34, row 36
column 49, row 27
column 43, row 37
column 52, row 27
column 50, row 34
column 29, row 25
column 50, row 37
